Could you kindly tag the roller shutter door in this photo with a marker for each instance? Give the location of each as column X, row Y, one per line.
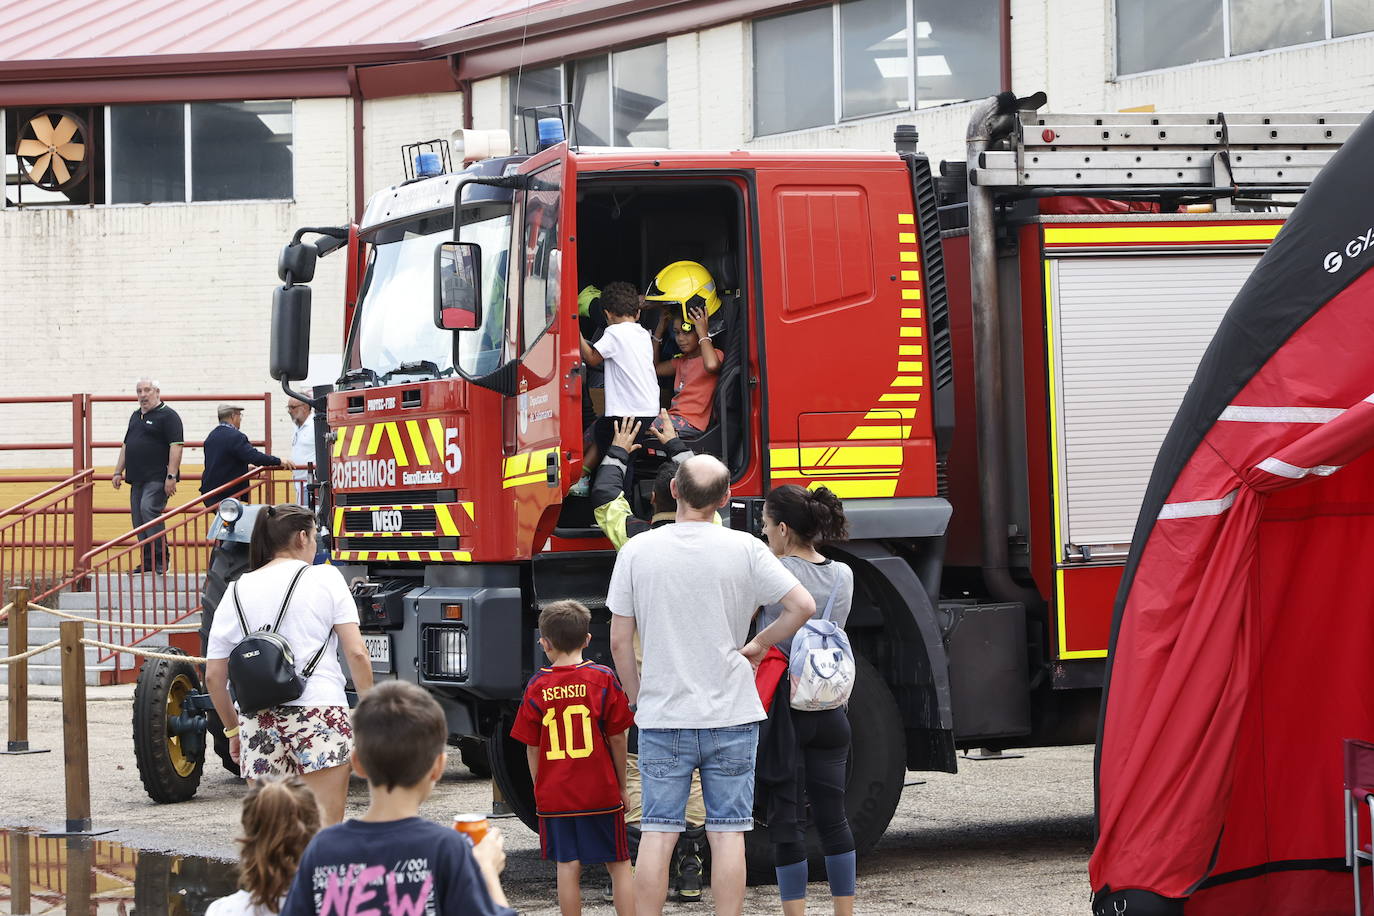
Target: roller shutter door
column 1128, row 334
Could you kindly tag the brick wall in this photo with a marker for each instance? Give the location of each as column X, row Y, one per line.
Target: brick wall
column 389, row 124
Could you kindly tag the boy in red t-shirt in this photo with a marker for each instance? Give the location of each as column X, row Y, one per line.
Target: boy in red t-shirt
column 693, row 372
column 574, row 718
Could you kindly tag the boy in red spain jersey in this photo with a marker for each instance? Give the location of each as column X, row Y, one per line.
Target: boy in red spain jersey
column 574, row 718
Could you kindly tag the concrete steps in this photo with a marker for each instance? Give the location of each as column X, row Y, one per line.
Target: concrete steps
column 125, row 591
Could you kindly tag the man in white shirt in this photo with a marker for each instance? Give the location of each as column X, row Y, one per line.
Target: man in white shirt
column 302, row 448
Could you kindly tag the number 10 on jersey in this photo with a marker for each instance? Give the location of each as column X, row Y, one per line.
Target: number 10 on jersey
column 566, row 744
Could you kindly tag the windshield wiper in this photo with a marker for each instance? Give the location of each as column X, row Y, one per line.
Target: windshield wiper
column 425, row 367
column 362, row 374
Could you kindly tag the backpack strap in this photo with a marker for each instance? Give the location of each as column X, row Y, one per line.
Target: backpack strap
column 830, row 603
column 286, row 602
column 243, row 621
column 319, row 656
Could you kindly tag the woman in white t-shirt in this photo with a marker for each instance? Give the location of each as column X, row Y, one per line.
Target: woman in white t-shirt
column 310, row 736
column 279, row 818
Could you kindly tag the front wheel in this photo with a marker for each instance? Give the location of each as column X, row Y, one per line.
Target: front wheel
column 169, row 740
column 877, row 769
column 510, row 772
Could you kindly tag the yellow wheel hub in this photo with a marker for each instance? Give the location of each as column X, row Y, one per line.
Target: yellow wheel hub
column 176, row 693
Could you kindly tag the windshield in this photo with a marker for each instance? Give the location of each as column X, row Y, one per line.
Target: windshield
column 394, row 334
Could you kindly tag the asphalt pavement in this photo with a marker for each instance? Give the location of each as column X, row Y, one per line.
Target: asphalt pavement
column 1000, row 837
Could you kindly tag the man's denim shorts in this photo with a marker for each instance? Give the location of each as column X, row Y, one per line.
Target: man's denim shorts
column 725, row 756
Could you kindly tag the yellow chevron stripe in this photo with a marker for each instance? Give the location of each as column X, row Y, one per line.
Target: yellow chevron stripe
column 436, row 433
column 338, row 520
column 445, row 520
column 906, row 219
column 436, row 555
column 910, row 366
column 397, row 446
column 375, row 439
column 911, row 313
column 880, row 432
column 521, row 481
column 517, row 464
column 907, row 381
column 903, row 396
column 855, row 489
column 911, row 332
column 910, row 257
column 906, row 238
column 909, row 350
column 874, row 456
column 357, row 440
column 910, row 275
column 417, row 442
column 911, row 294
column 468, row 508
column 340, row 437
column 891, row 413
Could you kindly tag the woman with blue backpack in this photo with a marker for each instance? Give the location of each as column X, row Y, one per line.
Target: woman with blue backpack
column 821, row 666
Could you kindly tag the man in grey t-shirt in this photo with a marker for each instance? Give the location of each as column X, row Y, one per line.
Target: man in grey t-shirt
column 690, row 590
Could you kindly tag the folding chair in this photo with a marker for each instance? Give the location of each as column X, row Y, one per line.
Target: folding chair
column 1359, row 792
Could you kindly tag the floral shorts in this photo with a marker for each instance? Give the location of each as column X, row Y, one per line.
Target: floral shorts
column 289, row 740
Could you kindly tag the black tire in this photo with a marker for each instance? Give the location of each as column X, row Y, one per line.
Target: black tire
column 228, row 561
column 877, row 769
column 510, row 771
column 169, row 773
column 473, row 752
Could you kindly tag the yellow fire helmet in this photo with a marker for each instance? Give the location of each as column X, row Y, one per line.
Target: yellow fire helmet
column 687, row 283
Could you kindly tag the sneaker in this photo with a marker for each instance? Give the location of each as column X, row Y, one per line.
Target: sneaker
column 689, row 878
column 583, row 487
column 608, row 892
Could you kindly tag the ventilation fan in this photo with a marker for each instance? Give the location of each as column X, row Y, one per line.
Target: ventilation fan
column 52, row 149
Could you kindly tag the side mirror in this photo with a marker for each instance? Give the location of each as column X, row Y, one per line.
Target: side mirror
column 458, row 286
column 290, row 349
column 296, row 264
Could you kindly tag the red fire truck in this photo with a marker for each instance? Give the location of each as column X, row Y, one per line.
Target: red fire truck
column 981, row 363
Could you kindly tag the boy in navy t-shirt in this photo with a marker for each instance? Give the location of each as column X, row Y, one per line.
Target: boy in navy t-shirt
column 574, row 718
column 390, row 861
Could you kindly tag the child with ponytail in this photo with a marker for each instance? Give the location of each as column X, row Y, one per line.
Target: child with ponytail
column 279, row 818
column 795, row 520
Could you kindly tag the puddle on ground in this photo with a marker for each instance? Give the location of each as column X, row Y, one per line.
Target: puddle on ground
column 97, row 877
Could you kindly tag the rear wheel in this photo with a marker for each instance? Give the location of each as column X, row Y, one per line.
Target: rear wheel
column 169, row 742
column 877, row 769
column 473, row 752
column 510, row 771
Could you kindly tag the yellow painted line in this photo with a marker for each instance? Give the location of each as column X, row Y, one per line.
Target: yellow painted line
column 908, row 381
column 435, row 555
column 398, row 447
column 357, row 441
column 468, row 508
column 906, row 238
column 911, row 294
column 1106, row 235
column 880, row 432
column 894, row 396
column 911, row 313
column 864, row 456
column 463, row 556
column 375, row 439
column 445, row 520
column 909, row 350
column 1058, row 522
column 413, row 555
column 436, row 432
column 339, row 439
column 338, row 520
column 911, row 275
column 517, row 464
column 891, row 413
column 910, row 257
column 858, row 489
column 910, row 366
column 906, row 219
column 521, row 481
column 417, row 442
column 911, row 332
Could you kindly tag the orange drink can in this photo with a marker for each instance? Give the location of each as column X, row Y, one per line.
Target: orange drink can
column 474, row 825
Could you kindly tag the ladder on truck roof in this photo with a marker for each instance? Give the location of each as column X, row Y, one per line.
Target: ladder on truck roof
column 1195, row 156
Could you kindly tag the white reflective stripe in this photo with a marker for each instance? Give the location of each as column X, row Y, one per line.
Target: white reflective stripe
column 1198, row 508
column 1281, row 414
column 1292, row 471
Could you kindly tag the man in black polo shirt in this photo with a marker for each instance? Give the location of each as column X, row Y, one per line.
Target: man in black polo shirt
column 150, row 460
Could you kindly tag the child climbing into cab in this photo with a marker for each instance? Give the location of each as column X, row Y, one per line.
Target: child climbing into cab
column 689, row 297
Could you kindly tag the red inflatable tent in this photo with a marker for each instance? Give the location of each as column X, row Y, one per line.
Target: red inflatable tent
column 1243, row 640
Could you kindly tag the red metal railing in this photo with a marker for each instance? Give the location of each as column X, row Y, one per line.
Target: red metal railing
column 124, row 595
column 42, row 538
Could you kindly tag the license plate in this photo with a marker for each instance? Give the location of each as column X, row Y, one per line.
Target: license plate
column 379, row 650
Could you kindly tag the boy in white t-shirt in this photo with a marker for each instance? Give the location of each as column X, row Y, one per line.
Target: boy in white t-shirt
column 627, row 351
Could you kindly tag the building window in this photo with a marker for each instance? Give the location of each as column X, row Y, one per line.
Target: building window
column 871, row 46
column 153, row 153
column 1154, row 34
column 618, row 99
